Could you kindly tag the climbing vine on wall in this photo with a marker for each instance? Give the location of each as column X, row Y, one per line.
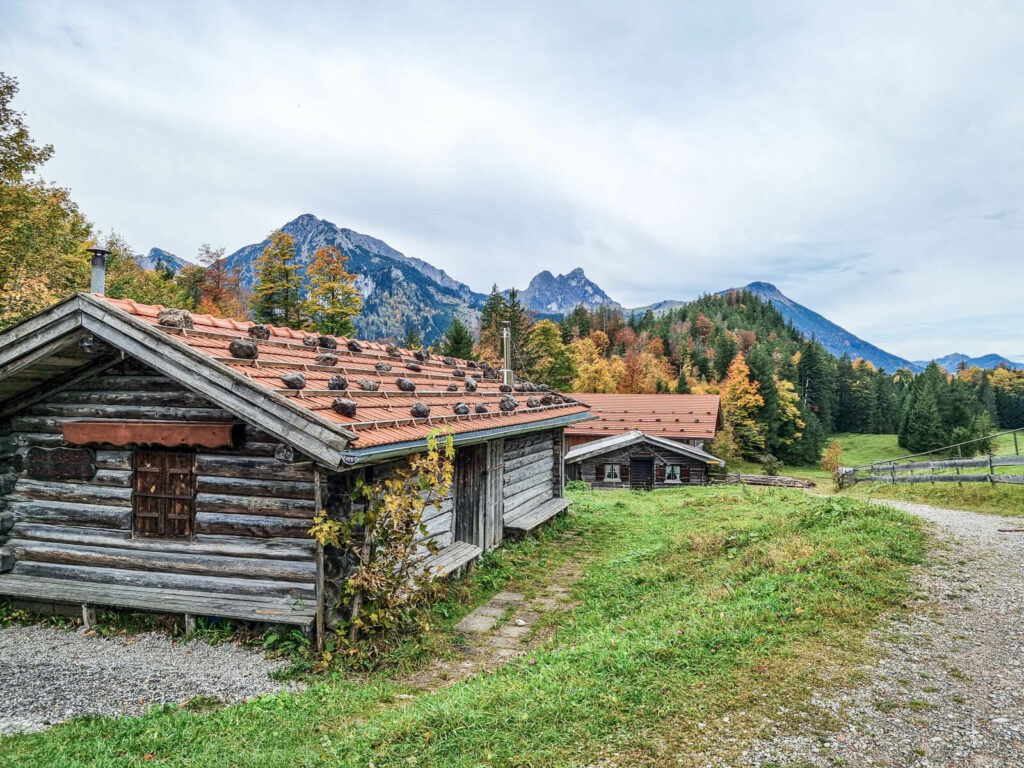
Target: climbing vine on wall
column 389, row 579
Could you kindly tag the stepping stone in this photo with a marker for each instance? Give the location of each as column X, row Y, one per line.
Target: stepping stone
column 490, row 609
column 558, row 589
column 513, row 631
column 501, row 642
column 507, row 597
column 477, row 623
column 529, row 617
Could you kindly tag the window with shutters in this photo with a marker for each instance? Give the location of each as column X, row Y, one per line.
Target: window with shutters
column 673, row 473
column 164, row 494
column 611, row 473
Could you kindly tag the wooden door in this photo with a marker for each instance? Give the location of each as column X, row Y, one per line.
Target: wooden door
column 494, row 498
column 164, row 494
column 641, row 473
column 470, row 461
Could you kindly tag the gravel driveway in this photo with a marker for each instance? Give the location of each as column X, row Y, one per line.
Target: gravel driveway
column 49, row 675
column 950, row 690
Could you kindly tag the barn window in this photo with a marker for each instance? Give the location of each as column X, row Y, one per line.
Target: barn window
column 673, row 473
column 164, row 494
column 611, row 473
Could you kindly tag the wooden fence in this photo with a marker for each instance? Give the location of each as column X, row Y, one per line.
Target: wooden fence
column 941, row 470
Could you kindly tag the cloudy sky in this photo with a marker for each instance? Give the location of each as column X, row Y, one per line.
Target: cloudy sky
column 866, row 158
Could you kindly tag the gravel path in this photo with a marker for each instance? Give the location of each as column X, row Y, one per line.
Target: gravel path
column 950, row 689
column 50, row 675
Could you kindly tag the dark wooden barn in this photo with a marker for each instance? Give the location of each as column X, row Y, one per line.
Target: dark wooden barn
column 690, row 419
column 156, row 460
column 638, row 460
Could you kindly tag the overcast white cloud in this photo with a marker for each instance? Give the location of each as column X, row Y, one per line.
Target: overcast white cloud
column 865, row 158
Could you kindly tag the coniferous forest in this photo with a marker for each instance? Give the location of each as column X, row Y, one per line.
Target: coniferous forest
column 782, row 394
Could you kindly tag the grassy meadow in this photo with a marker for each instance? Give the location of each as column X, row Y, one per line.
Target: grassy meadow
column 859, row 450
column 691, row 605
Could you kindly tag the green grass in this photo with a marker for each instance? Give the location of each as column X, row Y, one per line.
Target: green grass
column 858, row 450
column 693, row 604
column 977, row 497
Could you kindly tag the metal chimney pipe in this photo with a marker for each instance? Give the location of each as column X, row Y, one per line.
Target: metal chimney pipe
column 98, row 281
column 506, row 343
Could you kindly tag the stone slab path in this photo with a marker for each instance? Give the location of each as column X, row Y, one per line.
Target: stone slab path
column 949, row 689
column 499, row 632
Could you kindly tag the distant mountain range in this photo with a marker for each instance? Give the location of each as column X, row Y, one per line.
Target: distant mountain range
column 158, row 258
column 951, row 362
column 560, row 295
column 400, row 291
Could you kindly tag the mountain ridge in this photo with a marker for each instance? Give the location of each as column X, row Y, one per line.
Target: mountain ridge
column 401, row 291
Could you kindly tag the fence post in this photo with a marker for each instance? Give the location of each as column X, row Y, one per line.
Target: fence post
column 991, row 470
column 1016, row 450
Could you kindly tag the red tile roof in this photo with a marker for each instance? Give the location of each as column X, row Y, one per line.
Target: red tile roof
column 678, row 417
column 382, row 417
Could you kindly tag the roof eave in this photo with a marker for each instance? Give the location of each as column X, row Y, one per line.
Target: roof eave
column 353, row 457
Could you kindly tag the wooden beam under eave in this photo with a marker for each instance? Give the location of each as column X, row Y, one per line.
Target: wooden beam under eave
column 169, row 434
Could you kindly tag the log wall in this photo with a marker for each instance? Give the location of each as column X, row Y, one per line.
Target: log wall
column 591, row 470
column 254, row 502
column 532, row 472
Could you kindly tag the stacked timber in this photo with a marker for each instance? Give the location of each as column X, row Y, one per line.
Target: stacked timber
column 254, row 503
column 777, row 481
column 530, row 473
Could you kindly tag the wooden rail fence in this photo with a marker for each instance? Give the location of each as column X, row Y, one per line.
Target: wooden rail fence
column 949, row 470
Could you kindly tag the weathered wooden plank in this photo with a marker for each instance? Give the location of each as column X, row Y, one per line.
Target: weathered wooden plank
column 128, row 412
column 69, row 513
column 237, row 486
column 257, row 526
column 539, row 473
column 179, row 398
column 162, row 561
column 514, row 465
column 527, row 499
column 121, row 577
column 525, row 523
column 74, row 492
column 245, row 608
column 515, row 454
column 252, row 467
column 233, row 504
column 133, row 382
column 114, row 460
column 227, row 546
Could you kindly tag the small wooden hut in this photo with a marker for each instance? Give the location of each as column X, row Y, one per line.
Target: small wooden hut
column 640, row 461
column 690, row 419
column 155, row 460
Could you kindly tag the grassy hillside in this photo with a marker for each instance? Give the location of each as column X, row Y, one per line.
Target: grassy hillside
column 692, row 605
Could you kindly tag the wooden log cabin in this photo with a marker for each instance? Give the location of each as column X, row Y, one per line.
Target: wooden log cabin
column 160, row 461
column 639, row 461
column 690, row 419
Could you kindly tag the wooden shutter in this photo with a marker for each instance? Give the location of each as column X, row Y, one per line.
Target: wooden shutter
column 599, row 471
column 659, row 473
column 163, row 494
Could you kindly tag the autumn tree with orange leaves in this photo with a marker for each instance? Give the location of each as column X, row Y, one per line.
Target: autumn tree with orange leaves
column 740, row 403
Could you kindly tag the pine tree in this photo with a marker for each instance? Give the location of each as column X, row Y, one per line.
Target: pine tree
column 923, row 428
column 458, row 341
column 725, row 350
column 519, row 326
column 333, row 298
column 278, row 282
column 493, row 312
column 550, row 361
column 413, row 338
column 576, row 324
